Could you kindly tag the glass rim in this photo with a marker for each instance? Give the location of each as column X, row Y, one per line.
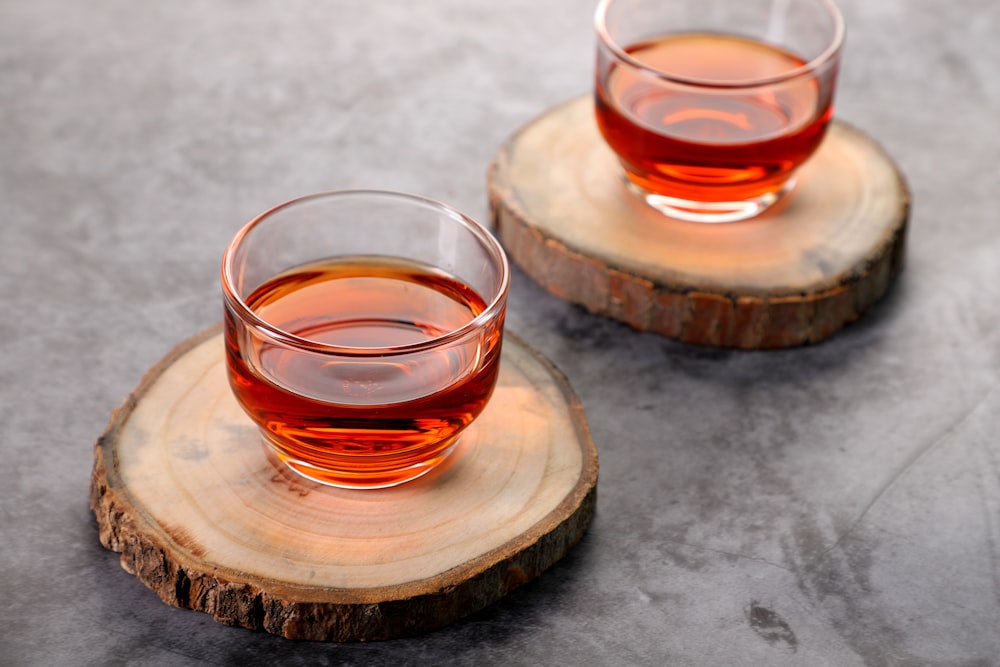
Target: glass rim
column 825, row 57
column 492, row 310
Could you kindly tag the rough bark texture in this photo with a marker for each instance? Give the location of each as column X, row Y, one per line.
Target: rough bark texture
column 206, row 519
column 795, row 275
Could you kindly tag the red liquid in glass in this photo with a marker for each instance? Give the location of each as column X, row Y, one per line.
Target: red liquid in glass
column 705, row 143
column 376, row 422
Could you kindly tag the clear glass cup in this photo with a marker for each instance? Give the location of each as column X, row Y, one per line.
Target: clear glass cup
column 363, row 332
column 711, row 105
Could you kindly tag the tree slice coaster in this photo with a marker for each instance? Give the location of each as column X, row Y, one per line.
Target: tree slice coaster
column 207, row 518
column 814, row 262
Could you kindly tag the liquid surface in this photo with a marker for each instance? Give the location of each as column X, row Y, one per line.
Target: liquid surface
column 706, row 142
column 363, row 420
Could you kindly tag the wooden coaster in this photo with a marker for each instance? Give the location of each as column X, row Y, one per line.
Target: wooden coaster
column 794, row 275
column 204, row 516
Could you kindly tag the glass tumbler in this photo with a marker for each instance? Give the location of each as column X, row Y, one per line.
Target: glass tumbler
column 363, row 332
column 712, row 105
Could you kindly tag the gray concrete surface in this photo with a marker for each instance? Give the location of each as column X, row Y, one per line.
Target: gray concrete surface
column 830, row 505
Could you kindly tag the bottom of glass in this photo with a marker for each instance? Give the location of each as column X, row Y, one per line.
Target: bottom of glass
column 709, row 212
column 358, row 477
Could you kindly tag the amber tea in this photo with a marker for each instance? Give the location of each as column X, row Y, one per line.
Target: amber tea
column 362, row 369
column 388, row 415
column 709, row 120
column 708, row 146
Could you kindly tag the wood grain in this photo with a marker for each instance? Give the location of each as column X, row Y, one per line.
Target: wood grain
column 798, row 273
column 204, row 516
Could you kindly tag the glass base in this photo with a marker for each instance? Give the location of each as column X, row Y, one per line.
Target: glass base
column 709, row 212
column 358, row 477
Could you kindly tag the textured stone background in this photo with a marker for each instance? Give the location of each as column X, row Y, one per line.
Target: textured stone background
column 830, row 505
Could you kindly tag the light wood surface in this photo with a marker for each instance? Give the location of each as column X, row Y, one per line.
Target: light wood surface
column 204, row 516
column 814, row 262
